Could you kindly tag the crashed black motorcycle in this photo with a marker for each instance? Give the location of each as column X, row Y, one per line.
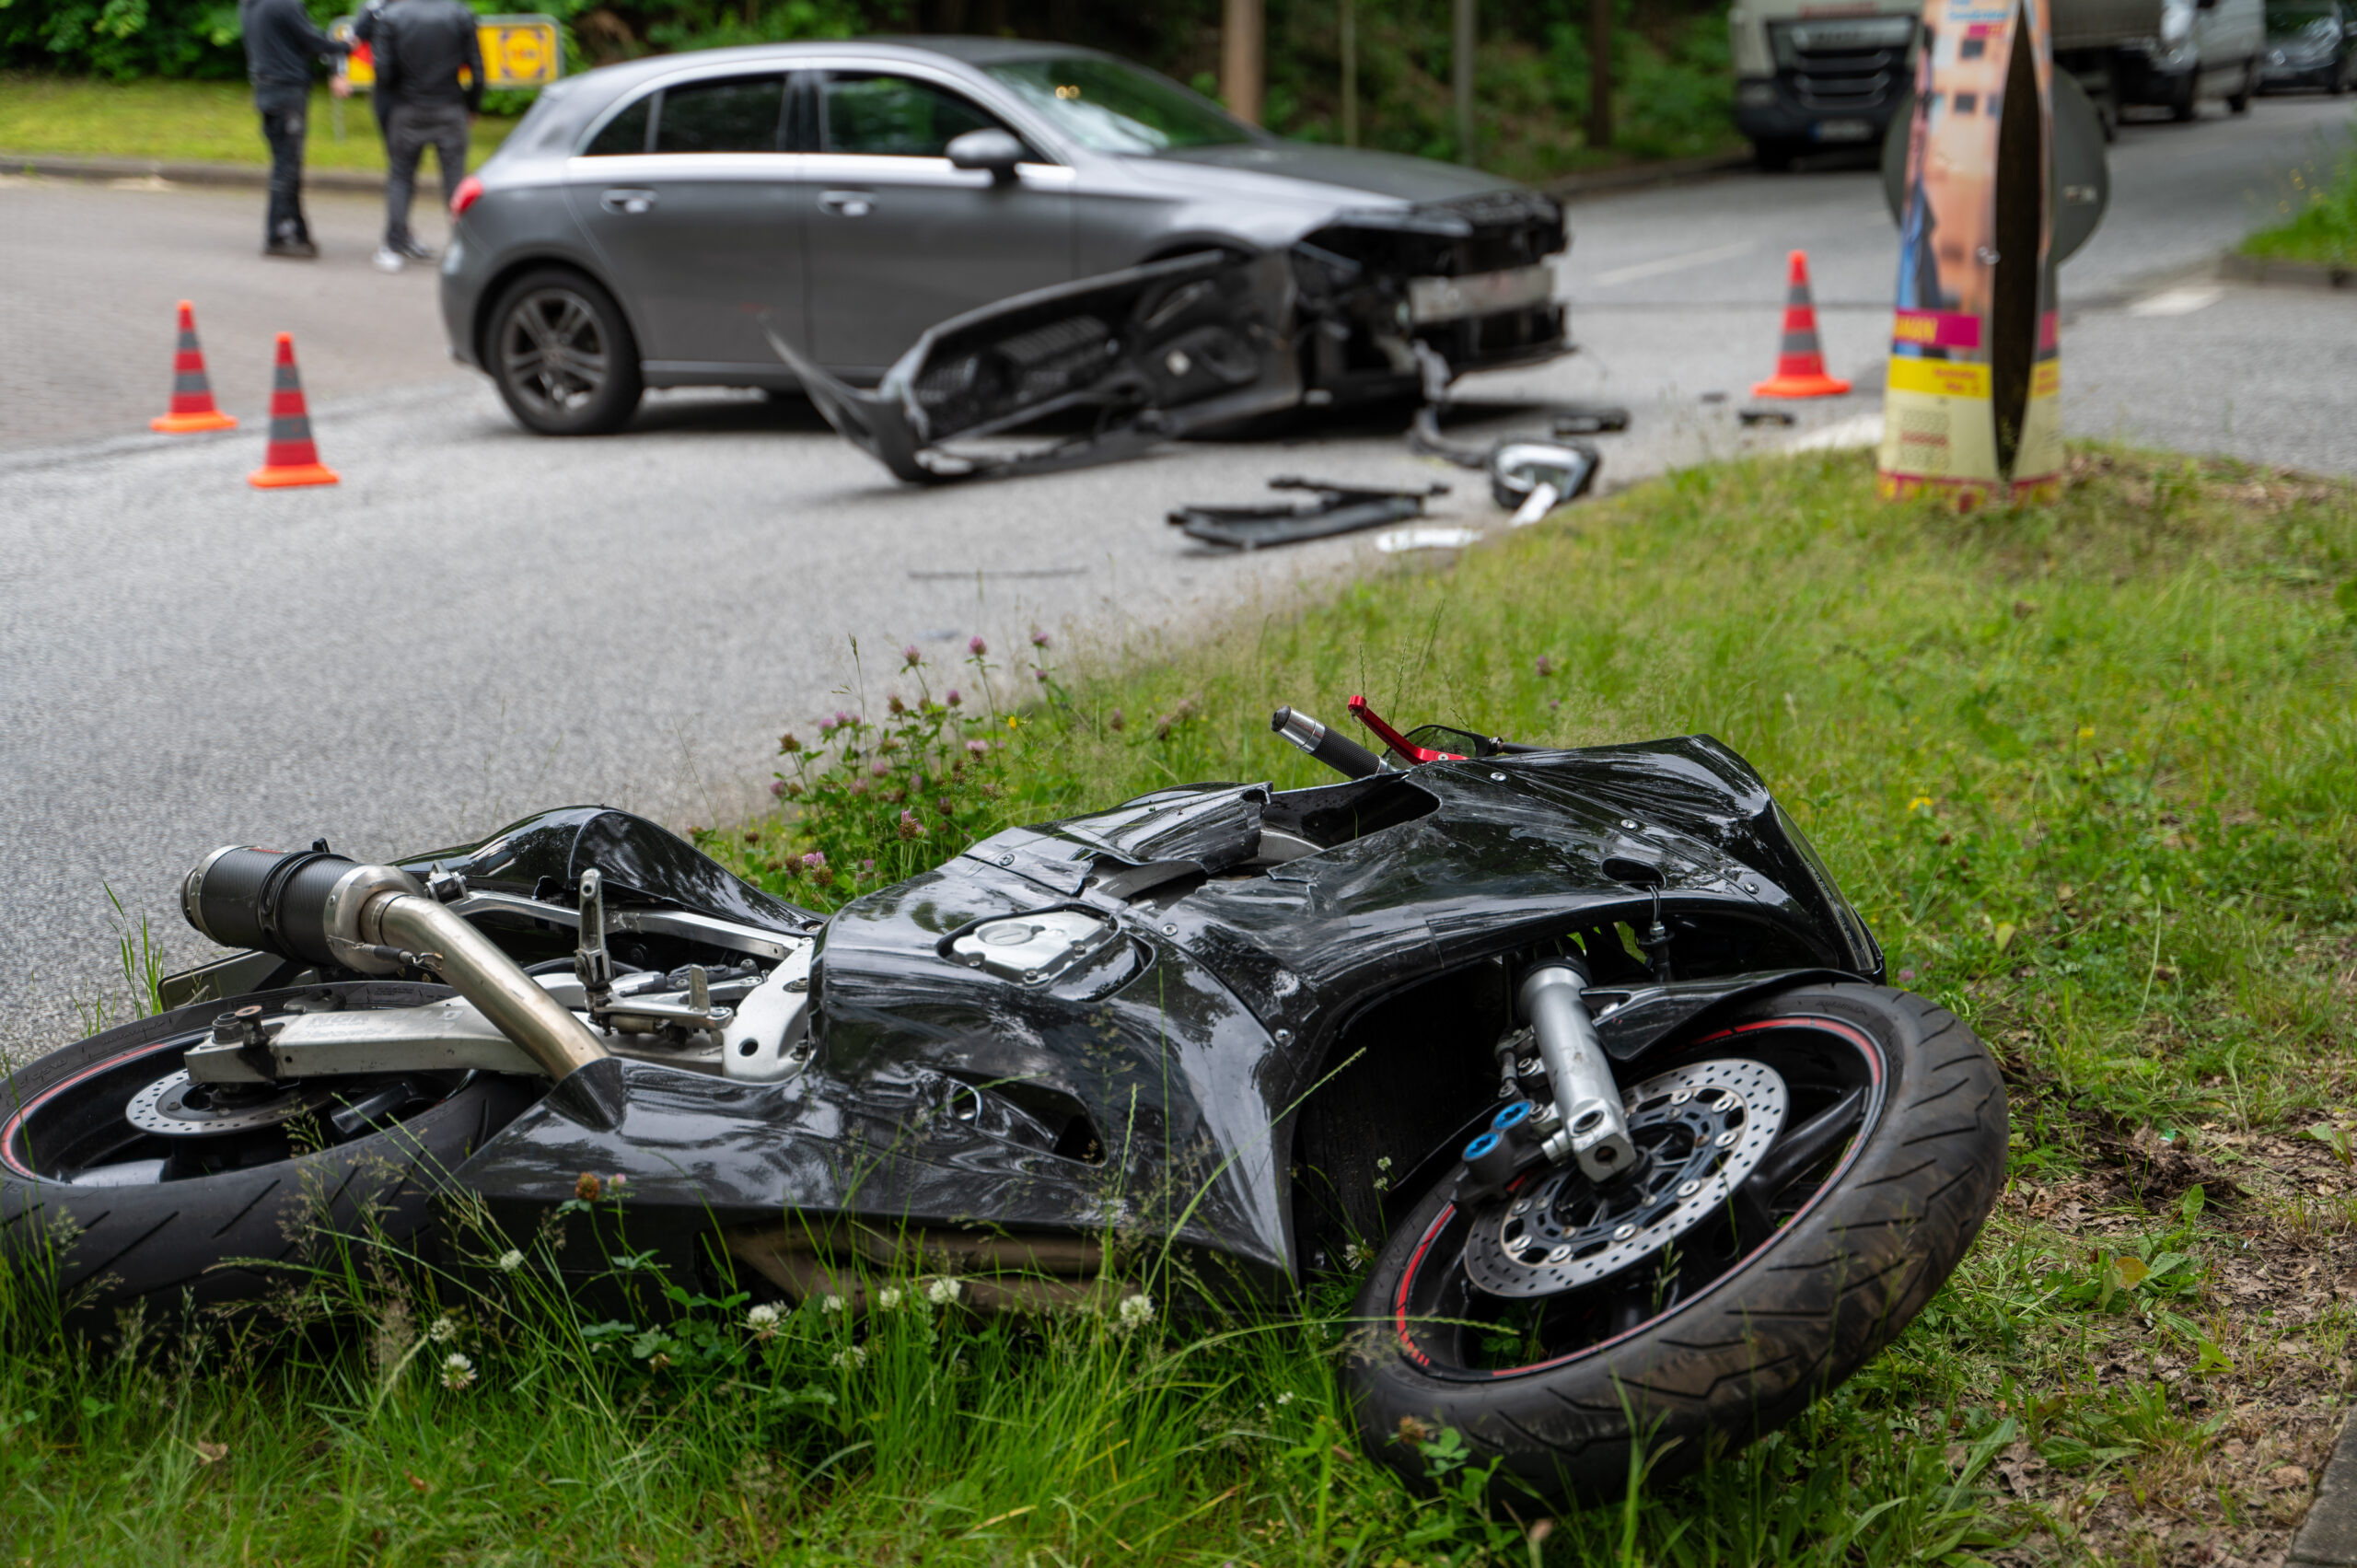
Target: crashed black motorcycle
column 1584, row 1048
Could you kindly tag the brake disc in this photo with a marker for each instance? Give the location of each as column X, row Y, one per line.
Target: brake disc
column 1698, row 1130
column 175, row 1107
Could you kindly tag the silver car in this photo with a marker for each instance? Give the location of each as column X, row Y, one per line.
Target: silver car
column 671, row 222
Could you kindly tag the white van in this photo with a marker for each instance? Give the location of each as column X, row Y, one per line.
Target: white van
column 2206, row 49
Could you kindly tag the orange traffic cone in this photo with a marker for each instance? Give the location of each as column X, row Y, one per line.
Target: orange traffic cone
column 1799, row 368
column 291, row 458
column 193, row 408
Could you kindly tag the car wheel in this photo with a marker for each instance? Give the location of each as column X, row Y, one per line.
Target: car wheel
column 2240, row 102
column 561, row 355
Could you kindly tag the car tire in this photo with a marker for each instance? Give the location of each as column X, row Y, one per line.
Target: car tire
column 563, row 356
column 2239, row 103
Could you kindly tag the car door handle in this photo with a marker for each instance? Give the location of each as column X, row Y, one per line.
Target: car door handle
column 632, row 202
column 847, row 203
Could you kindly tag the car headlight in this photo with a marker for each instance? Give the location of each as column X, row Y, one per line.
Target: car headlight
column 2176, row 21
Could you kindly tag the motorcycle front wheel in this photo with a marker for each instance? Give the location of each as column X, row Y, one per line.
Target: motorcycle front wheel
column 1810, row 1169
column 125, row 1185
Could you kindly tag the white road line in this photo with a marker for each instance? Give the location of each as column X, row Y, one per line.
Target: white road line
column 2177, row 301
column 1668, row 264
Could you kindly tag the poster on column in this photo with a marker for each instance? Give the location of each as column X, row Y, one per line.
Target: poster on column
column 1971, row 406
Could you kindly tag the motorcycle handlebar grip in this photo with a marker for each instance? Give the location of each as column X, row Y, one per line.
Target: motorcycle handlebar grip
column 1345, row 757
column 273, row 899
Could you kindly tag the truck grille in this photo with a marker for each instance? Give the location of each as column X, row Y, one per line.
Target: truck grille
column 1853, row 65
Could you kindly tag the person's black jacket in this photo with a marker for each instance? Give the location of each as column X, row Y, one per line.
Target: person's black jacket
column 421, row 46
column 281, row 47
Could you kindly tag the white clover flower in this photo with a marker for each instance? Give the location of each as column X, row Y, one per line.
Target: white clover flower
column 1355, row 1253
column 1135, row 1311
column 831, row 1305
column 444, row 1328
column 942, row 1291
column 510, row 1260
column 458, row 1372
column 763, row 1320
column 888, row 1298
column 851, row 1358
column 1286, row 1398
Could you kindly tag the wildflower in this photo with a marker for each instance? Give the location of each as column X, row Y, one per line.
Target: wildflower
column 978, row 747
column 763, row 1320
column 893, row 706
column 458, row 1372
column 777, row 787
column 1115, row 721
column 615, row 1183
column 510, row 1260
column 946, row 809
column 1905, row 977
column 977, row 647
column 888, row 1298
column 1355, row 1253
column 1286, row 1398
column 444, row 1328
column 587, row 1188
column 815, row 861
column 831, row 1305
column 944, row 1292
column 879, row 768
column 859, row 786
column 1012, row 722
column 1920, row 803
column 910, row 657
column 868, row 868
column 952, row 697
column 1038, row 638
column 1546, row 666
column 788, row 744
column 909, row 826
column 851, row 1358
column 1041, row 675
column 1135, row 1312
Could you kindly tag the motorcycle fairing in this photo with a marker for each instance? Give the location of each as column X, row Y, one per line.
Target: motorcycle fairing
column 1191, row 1047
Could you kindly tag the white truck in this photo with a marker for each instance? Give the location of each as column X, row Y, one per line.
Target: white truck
column 1812, row 74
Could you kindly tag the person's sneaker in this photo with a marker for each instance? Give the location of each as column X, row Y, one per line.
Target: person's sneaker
column 292, row 250
column 414, row 250
column 387, row 260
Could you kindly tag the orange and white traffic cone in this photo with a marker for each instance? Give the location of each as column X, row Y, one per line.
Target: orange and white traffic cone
column 291, row 458
column 193, row 407
column 1800, row 367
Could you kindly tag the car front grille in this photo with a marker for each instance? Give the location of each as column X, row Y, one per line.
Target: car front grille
column 1843, row 67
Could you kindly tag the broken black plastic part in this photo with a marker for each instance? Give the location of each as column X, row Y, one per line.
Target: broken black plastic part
column 1766, row 416
column 1340, row 508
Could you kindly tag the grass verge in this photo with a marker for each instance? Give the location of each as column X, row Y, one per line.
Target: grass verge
column 2319, row 212
column 193, row 121
column 2090, row 772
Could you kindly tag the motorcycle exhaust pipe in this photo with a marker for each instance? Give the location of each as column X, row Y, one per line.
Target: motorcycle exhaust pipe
column 326, row 909
column 1593, row 1128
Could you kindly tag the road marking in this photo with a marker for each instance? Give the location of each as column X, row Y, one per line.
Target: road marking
column 2177, row 301
column 1842, row 435
column 1668, row 264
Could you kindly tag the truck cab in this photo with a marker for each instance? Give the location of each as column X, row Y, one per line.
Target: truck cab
column 1811, row 75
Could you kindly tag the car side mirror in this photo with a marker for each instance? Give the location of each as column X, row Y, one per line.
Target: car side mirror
column 991, row 149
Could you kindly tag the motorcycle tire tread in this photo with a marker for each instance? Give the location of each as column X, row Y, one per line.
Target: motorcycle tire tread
column 166, row 1245
column 1763, row 1342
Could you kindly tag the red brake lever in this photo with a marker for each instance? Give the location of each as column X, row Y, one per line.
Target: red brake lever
column 1394, row 739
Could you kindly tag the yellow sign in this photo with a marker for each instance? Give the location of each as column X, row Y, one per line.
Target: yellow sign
column 518, row 52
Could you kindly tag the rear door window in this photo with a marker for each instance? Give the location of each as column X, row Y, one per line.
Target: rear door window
column 625, row 133
column 732, row 114
column 893, row 116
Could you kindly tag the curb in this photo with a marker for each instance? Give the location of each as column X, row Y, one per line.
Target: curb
column 250, row 176
column 2328, row 1537
column 1638, row 176
column 2285, row 275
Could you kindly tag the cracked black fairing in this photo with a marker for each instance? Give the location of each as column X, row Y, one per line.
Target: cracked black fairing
column 1258, row 1036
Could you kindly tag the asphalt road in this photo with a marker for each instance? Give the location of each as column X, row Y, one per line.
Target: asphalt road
column 477, row 623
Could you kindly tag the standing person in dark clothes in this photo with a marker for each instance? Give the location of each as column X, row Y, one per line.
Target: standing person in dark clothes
column 282, row 46
column 429, row 73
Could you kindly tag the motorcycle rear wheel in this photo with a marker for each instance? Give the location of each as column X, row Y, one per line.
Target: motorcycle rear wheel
column 113, row 1218
column 1737, row 1324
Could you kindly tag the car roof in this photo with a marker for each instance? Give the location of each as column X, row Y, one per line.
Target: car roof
column 914, row 48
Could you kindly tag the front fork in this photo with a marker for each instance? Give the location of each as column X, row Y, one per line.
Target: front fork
column 1591, row 1126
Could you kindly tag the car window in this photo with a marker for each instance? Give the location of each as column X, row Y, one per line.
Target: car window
column 893, row 116
column 1117, row 108
column 736, row 114
column 624, row 133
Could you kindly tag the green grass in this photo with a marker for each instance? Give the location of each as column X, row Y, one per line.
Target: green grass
column 2318, row 208
column 193, row 121
column 2090, row 772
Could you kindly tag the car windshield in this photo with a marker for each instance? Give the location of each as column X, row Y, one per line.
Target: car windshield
column 2283, row 20
column 1111, row 108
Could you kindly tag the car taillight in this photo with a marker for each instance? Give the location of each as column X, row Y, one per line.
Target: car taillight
column 464, row 196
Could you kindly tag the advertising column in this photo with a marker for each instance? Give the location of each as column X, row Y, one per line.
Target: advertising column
column 1972, row 410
